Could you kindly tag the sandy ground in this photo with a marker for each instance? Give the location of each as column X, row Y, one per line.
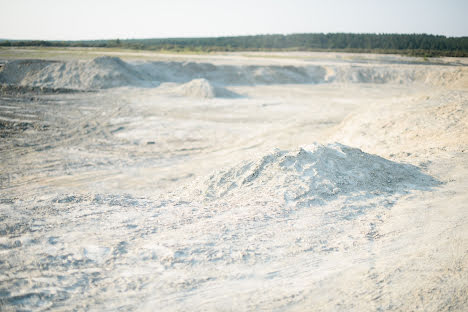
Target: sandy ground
column 253, row 181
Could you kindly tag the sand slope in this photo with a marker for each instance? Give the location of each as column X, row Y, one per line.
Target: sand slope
column 435, row 123
column 108, row 72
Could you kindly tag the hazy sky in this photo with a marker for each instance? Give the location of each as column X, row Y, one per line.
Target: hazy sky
column 105, row 19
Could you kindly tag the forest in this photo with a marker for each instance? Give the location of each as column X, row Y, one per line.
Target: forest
column 406, row 44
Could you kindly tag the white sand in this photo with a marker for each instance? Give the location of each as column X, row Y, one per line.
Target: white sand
column 196, row 184
column 108, row 72
column 314, row 175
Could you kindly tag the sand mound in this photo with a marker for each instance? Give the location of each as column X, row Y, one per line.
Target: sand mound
column 313, row 175
column 202, row 88
column 99, row 73
column 13, row 72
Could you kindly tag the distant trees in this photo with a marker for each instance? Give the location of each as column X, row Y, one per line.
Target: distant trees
column 412, row 44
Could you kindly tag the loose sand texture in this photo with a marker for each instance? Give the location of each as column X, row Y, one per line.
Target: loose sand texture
column 241, row 181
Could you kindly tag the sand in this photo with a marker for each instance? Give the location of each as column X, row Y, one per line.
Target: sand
column 314, row 175
column 110, row 72
column 287, row 181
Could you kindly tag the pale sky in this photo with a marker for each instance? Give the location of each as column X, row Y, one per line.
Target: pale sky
column 110, row 19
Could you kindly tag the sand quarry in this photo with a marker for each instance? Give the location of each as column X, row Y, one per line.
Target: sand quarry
column 232, row 182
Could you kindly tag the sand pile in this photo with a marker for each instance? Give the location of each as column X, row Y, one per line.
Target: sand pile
column 202, row 88
column 13, row 72
column 99, row 73
column 313, row 175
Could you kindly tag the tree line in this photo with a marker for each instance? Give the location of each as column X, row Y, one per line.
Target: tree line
column 408, row 44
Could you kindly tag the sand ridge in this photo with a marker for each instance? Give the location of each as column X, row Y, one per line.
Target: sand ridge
column 110, row 72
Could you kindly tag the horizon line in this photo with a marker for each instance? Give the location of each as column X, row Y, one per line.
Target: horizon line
column 233, row 36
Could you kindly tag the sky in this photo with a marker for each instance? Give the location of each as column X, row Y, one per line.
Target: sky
column 112, row 19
